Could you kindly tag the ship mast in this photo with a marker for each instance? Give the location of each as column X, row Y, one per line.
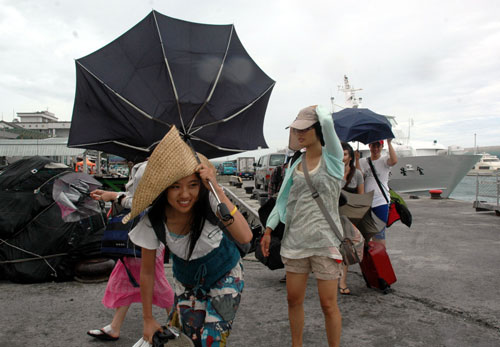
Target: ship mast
column 351, row 101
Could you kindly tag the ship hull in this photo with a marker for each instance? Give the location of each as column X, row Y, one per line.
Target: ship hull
column 423, row 173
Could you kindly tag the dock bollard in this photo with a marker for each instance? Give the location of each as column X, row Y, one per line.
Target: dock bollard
column 435, row 193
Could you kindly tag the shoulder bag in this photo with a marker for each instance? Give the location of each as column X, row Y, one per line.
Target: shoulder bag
column 273, row 261
column 397, row 207
column 351, row 244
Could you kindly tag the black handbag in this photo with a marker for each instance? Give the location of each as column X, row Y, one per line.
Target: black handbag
column 273, row 261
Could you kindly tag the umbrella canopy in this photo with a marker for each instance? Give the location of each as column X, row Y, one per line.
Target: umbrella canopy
column 361, row 124
column 165, row 72
column 71, row 193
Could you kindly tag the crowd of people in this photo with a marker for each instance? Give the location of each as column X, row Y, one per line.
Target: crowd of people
column 180, row 211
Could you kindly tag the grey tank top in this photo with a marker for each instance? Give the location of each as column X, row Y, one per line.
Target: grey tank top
column 306, row 227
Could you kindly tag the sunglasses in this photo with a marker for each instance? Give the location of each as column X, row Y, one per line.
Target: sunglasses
column 302, row 131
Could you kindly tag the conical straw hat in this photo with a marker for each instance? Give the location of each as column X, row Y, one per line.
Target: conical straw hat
column 171, row 161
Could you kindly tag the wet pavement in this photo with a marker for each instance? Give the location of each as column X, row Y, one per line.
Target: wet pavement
column 447, row 294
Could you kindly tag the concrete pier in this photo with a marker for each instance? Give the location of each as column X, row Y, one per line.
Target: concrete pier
column 447, row 294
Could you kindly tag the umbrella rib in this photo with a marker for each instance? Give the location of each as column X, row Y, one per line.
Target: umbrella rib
column 115, row 142
column 195, row 138
column 169, row 73
column 228, row 118
column 215, row 82
column 121, row 97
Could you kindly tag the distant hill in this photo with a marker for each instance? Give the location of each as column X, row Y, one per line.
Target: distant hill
column 494, row 150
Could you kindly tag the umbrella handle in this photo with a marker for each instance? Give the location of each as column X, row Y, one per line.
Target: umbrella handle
column 221, row 207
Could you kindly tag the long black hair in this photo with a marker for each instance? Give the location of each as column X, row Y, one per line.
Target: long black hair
column 201, row 208
column 352, row 169
column 319, row 133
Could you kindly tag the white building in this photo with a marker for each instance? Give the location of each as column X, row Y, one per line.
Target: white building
column 44, row 122
column 27, row 136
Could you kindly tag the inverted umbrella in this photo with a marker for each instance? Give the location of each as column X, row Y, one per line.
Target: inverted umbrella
column 164, row 72
column 71, row 193
column 361, row 124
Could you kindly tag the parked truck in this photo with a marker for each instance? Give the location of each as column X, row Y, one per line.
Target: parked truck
column 245, row 167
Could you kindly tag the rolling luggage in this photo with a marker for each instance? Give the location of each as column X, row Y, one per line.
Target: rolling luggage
column 376, row 267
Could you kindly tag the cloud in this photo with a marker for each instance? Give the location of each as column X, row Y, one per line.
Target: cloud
column 436, row 62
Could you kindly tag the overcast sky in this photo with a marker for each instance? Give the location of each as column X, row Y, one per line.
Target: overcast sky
column 437, row 62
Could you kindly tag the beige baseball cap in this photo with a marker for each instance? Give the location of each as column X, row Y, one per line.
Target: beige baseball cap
column 306, row 117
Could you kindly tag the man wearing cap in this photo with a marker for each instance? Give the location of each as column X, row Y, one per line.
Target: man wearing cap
column 382, row 165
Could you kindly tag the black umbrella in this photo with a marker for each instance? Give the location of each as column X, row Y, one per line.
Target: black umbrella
column 164, row 72
column 361, row 124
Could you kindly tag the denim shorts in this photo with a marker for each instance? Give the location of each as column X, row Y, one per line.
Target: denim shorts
column 381, row 212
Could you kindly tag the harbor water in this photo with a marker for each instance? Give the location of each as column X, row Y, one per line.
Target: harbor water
column 466, row 189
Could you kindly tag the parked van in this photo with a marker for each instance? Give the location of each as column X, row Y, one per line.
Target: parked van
column 264, row 168
column 229, row 167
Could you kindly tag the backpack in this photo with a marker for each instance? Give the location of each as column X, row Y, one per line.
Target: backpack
column 115, row 241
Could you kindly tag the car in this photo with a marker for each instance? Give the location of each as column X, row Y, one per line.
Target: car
column 264, row 168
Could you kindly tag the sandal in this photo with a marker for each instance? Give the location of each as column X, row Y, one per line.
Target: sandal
column 345, row 291
column 103, row 334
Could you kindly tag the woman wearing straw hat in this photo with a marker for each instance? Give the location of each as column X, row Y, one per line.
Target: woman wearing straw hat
column 309, row 244
column 207, row 269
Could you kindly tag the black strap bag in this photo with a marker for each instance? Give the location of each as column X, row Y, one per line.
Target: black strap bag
column 273, row 261
column 397, row 206
column 351, row 243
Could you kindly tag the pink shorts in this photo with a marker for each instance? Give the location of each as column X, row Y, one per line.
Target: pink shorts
column 324, row 268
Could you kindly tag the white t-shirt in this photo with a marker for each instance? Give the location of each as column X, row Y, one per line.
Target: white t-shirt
column 131, row 186
column 383, row 169
column 144, row 236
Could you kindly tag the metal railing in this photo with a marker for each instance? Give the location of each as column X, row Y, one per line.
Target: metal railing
column 250, row 214
column 488, row 192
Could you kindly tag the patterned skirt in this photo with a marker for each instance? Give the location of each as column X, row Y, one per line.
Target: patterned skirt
column 207, row 317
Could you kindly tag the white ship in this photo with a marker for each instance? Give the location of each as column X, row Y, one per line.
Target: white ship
column 421, row 166
column 488, row 165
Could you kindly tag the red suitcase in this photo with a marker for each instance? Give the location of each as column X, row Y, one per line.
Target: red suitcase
column 376, row 267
